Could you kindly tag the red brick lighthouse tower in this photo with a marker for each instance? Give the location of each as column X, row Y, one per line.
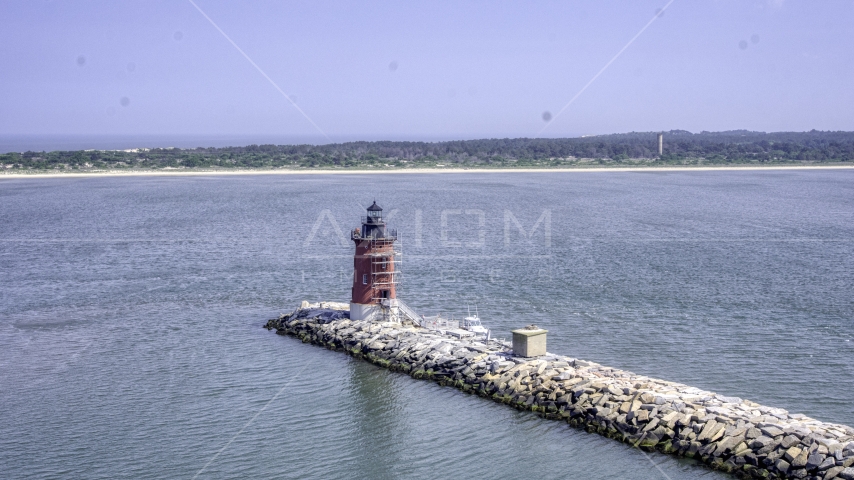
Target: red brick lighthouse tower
column 374, row 278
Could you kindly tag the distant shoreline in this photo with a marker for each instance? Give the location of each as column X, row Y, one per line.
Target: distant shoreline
column 202, row 172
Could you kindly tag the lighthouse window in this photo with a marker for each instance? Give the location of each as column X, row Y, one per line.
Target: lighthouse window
column 364, row 279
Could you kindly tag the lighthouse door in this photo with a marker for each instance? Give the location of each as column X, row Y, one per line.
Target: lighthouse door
column 385, row 293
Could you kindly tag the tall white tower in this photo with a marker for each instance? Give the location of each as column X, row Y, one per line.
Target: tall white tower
column 660, row 143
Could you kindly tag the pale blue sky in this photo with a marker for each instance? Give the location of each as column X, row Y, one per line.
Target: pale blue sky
column 464, row 69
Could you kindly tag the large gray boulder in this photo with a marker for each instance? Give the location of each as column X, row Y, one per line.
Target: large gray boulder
column 814, row 460
column 760, row 442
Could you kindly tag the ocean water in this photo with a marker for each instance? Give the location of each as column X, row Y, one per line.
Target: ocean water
column 131, row 310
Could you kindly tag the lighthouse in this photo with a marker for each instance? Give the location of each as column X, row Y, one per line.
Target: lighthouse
column 374, row 275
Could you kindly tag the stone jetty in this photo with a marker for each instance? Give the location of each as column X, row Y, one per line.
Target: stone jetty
column 729, row 434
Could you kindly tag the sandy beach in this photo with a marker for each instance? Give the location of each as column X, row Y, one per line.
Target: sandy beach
column 146, row 173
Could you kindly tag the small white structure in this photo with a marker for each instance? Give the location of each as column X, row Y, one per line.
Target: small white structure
column 529, row 341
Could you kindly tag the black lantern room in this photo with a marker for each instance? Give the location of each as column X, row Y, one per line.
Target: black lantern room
column 375, row 213
column 374, row 226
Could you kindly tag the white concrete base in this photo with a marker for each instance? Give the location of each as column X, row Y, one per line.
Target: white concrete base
column 388, row 311
column 359, row 311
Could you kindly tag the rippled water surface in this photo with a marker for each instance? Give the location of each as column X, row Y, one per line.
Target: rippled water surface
column 131, row 311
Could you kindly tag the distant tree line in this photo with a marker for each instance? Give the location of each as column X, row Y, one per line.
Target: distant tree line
column 681, row 148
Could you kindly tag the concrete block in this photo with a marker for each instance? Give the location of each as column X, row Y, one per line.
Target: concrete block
column 529, row 341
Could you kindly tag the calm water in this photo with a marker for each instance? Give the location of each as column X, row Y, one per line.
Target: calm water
column 131, row 311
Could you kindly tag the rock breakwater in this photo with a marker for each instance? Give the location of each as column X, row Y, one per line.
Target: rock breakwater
column 726, row 433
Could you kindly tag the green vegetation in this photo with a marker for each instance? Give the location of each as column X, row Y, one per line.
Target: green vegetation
column 627, row 149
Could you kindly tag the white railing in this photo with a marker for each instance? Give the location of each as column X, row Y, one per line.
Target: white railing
column 439, row 323
column 408, row 312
